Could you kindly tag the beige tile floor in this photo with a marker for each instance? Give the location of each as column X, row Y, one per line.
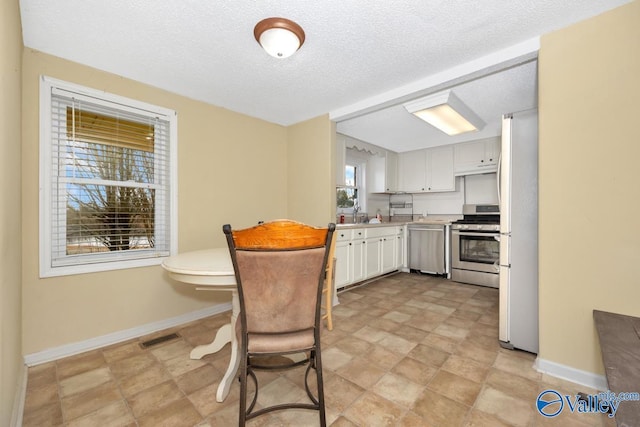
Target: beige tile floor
column 406, row 350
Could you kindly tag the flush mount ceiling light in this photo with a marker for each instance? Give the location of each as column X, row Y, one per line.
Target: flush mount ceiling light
column 446, row 112
column 280, row 37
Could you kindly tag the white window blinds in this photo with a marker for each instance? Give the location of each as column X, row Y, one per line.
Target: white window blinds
column 108, row 198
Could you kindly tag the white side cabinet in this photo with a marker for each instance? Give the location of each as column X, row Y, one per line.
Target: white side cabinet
column 477, row 156
column 344, row 258
column 349, row 253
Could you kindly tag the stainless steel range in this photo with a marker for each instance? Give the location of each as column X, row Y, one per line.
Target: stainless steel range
column 475, row 246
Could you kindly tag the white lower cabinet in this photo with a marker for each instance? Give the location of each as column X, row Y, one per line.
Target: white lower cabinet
column 399, row 249
column 373, row 247
column 343, row 268
column 387, row 254
column 350, row 256
column 344, row 257
column 359, row 260
column 364, row 253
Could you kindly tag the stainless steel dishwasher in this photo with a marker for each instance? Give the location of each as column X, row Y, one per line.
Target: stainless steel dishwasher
column 427, row 248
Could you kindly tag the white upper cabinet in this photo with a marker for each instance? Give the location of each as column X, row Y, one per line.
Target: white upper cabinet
column 419, row 171
column 439, row 172
column 477, row 156
column 429, row 170
column 382, row 171
column 391, row 175
column 411, row 171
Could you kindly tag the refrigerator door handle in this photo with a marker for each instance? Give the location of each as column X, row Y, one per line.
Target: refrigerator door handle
column 498, row 177
column 505, row 240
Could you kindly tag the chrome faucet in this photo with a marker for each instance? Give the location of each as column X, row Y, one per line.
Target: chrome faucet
column 356, row 209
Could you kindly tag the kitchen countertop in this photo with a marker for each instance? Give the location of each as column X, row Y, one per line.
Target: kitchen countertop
column 432, row 221
column 367, row 225
column 427, row 221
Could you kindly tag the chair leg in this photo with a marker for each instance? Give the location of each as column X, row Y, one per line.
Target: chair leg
column 318, row 367
column 246, row 372
column 242, row 419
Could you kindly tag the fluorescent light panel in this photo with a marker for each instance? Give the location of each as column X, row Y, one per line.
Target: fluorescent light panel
column 446, row 112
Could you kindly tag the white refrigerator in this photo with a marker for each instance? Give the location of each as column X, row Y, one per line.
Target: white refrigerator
column 518, row 327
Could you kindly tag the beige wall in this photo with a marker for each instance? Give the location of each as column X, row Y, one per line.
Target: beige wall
column 311, row 151
column 232, row 169
column 10, row 290
column 589, row 89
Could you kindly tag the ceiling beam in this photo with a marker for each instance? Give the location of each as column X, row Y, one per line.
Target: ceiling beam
column 489, row 64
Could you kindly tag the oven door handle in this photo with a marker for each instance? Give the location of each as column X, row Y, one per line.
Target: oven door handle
column 472, row 234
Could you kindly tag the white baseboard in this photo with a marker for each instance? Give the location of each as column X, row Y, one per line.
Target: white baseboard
column 120, row 336
column 18, row 400
column 589, row 379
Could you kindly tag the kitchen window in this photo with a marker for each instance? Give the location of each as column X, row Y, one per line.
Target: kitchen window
column 347, row 195
column 107, row 181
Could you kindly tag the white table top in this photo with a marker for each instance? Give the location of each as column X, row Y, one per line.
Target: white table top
column 207, row 267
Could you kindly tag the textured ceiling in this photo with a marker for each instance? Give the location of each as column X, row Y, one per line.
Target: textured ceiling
column 354, row 50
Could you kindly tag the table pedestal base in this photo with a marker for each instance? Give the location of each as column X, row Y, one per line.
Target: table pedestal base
column 226, row 334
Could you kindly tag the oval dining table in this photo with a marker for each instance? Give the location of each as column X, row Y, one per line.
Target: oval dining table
column 211, row 270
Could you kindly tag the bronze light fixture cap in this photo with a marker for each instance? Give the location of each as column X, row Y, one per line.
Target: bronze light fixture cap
column 279, row 37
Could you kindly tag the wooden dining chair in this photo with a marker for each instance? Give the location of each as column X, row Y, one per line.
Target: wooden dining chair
column 280, row 273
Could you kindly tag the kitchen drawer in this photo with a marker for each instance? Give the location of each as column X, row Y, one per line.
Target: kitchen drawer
column 344, row 234
column 358, row 233
column 380, row 231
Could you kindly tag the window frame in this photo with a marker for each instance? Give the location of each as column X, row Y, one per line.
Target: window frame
column 112, row 260
column 359, row 186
